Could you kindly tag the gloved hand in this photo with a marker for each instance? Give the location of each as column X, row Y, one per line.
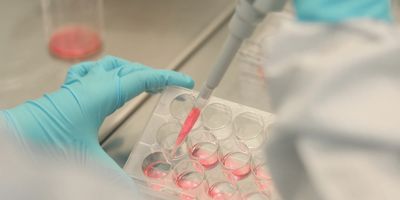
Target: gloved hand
column 334, row 11
column 66, row 122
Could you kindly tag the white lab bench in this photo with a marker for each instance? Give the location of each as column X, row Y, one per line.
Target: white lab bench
column 185, row 35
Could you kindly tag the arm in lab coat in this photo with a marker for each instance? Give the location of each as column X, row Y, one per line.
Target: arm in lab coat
column 336, row 93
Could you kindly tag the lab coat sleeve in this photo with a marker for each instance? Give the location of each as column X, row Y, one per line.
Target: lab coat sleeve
column 336, row 92
column 29, row 173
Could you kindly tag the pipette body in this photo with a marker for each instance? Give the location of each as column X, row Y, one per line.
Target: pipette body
column 248, row 14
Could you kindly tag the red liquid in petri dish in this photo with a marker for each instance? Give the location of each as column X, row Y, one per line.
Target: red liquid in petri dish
column 74, row 42
column 188, row 181
column 206, row 154
column 237, row 165
column 157, row 170
column 222, row 191
column 241, row 173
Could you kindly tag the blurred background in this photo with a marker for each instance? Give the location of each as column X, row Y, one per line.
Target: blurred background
column 183, row 35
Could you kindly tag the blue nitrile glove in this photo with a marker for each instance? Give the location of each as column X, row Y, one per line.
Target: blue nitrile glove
column 66, row 122
column 334, row 11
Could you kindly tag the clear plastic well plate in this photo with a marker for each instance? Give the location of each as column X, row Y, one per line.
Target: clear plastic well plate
column 225, row 129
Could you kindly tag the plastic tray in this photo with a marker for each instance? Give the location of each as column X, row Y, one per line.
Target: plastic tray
column 148, row 145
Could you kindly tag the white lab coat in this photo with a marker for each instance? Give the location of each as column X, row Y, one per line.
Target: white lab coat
column 26, row 175
column 336, row 92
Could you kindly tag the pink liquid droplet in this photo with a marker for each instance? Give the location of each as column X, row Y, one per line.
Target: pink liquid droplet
column 74, row 42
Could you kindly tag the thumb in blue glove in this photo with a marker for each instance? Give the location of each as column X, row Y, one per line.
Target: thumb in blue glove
column 66, row 122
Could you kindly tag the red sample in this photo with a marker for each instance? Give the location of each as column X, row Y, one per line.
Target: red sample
column 217, row 194
column 206, row 154
column 185, row 184
column 236, row 170
column 262, row 173
column 74, row 42
column 187, row 126
column 154, row 170
column 264, row 180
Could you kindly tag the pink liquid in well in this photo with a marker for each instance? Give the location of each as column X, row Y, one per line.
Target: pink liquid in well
column 222, row 191
column 189, row 181
column 264, row 180
column 156, row 170
column 237, row 166
column 74, row 42
column 215, row 195
column 264, row 185
column 206, row 154
column 187, row 127
column 186, row 197
column 261, row 172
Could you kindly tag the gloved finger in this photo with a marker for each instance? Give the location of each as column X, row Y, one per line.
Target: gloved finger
column 110, row 63
column 78, row 71
column 152, row 80
column 127, row 69
column 155, row 91
column 121, row 71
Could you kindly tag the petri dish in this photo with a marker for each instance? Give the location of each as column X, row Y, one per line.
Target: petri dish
column 203, row 147
column 74, row 42
column 235, row 159
column 223, row 191
column 156, row 168
column 189, row 177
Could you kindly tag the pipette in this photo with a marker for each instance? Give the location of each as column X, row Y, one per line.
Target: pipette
column 248, row 14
